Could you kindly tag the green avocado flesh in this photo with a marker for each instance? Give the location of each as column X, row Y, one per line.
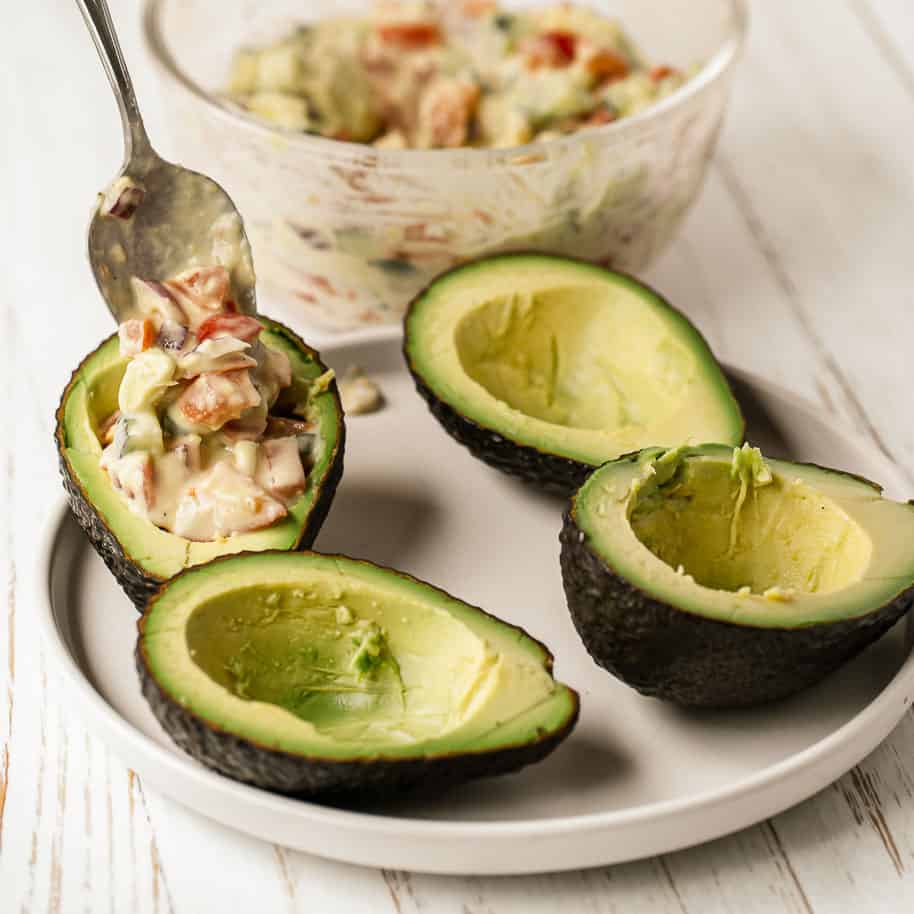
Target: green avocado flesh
column 155, row 553
column 330, row 658
column 699, row 529
column 711, row 577
column 567, row 358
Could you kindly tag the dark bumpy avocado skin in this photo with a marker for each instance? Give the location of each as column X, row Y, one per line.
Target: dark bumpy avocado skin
column 136, row 583
column 548, row 472
column 668, row 653
column 371, row 778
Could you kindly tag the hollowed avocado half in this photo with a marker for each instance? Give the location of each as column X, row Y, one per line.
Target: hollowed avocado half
column 710, row 577
column 316, row 674
column 140, row 555
column 546, row 367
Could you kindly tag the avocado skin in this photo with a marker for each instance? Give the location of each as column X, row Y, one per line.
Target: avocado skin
column 670, row 653
column 136, row 583
column 345, row 780
column 363, row 779
column 548, row 472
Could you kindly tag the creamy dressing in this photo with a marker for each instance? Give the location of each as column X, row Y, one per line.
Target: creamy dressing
column 447, row 74
column 359, row 394
column 193, row 446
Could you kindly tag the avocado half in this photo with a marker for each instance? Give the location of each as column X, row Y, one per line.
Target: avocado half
column 709, row 577
column 319, row 674
column 546, row 367
column 142, row 556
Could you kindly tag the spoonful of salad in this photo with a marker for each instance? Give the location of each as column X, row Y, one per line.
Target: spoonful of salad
column 157, row 219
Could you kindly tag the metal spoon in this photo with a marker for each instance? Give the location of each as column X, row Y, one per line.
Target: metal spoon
column 156, row 219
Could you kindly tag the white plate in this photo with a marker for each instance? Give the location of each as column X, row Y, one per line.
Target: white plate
column 637, row 777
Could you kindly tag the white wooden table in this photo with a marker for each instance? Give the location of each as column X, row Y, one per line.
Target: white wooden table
column 798, row 262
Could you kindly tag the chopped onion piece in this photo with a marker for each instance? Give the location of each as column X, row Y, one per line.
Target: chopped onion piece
column 122, row 198
column 172, row 336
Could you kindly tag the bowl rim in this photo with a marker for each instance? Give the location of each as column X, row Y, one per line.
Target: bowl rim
column 711, row 71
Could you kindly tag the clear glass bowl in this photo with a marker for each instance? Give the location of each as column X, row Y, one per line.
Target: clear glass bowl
column 344, row 234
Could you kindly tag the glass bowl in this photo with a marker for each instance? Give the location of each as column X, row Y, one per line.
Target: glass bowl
column 344, row 234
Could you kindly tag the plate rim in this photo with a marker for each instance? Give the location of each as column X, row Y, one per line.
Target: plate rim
column 858, row 736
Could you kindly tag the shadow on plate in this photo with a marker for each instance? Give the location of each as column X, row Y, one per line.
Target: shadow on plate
column 762, row 428
column 75, row 551
column 376, row 357
column 558, row 504
column 380, row 520
column 580, row 761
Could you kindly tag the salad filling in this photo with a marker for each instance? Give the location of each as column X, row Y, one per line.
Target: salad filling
column 194, row 446
column 446, row 74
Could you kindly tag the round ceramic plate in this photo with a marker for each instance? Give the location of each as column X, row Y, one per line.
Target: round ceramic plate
column 637, row 777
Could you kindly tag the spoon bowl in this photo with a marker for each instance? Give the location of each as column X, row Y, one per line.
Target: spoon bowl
column 157, row 219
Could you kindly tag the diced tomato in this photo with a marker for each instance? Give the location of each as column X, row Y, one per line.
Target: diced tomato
column 551, row 49
column 607, row 66
column 239, row 326
column 135, row 336
column 212, row 399
column 477, row 8
column 201, row 287
column 445, row 113
column 658, row 73
column 410, row 35
column 602, row 115
column 565, row 43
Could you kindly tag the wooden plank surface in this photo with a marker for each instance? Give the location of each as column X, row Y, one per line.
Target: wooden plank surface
column 796, row 262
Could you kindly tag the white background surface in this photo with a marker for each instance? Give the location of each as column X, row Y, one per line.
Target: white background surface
column 797, row 263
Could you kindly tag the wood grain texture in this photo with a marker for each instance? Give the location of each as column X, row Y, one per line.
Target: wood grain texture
column 828, row 184
column 796, row 263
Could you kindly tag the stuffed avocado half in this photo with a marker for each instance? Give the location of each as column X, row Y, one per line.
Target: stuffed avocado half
column 710, row 576
column 315, row 674
column 142, row 555
column 546, row 367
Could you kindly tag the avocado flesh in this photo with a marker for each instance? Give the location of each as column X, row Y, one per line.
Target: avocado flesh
column 693, row 580
column 323, row 667
column 142, row 555
column 565, row 362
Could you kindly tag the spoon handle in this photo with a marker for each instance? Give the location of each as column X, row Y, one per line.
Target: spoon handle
column 98, row 21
